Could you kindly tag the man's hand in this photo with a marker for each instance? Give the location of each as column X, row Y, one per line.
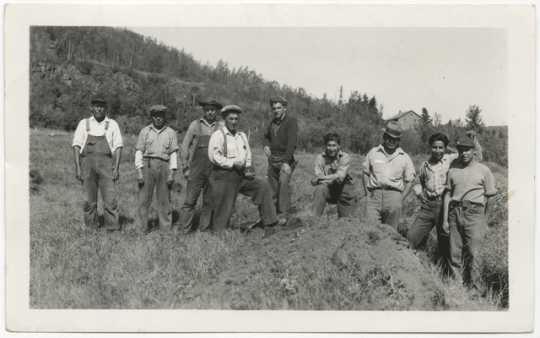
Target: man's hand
column 185, row 171
column 315, row 181
column 267, row 151
column 446, row 227
column 249, row 173
column 239, row 165
column 115, row 174
column 170, row 179
column 78, row 175
column 140, row 178
column 286, row 168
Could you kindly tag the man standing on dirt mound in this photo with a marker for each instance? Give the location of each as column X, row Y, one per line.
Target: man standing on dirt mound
column 232, row 173
column 197, row 167
column 388, row 176
column 469, row 186
column 332, row 181
column 280, row 142
column 432, row 184
column 156, row 163
column 97, row 143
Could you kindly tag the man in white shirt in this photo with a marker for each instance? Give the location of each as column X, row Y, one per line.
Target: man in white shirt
column 97, row 150
column 156, row 163
column 232, row 173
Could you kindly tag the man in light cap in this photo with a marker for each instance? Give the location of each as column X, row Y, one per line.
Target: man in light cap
column 280, row 142
column 469, row 186
column 197, row 167
column 156, row 163
column 98, row 142
column 388, row 176
column 232, row 173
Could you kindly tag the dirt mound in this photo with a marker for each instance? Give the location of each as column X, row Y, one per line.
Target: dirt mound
column 324, row 264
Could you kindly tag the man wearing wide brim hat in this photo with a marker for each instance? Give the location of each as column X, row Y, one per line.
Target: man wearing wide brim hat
column 232, row 173
column 197, row 167
column 97, row 149
column 156, row 163
column 280, row 140
column 388, row 176
column 470, row 184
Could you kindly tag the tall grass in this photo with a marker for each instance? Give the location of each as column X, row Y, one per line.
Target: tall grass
column 313, row 264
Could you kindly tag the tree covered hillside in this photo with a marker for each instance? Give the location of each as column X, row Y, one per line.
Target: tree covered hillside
column 70, row 64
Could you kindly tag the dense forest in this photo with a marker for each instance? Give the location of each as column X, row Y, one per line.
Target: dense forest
column 70, row 64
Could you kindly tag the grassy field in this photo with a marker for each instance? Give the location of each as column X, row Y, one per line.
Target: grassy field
column 312, row 264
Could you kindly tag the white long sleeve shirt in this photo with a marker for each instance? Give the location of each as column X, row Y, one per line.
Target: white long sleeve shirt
column 237, row 148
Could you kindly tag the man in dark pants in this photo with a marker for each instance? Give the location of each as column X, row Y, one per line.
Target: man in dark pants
column 232, row 173
column 332, row 180
column 197, row 167
column 279, row 144
column 156, row 163
column 98, row 142
column 470, row 184
column 432, row 177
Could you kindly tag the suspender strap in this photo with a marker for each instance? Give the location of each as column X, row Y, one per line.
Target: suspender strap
column 224, row 142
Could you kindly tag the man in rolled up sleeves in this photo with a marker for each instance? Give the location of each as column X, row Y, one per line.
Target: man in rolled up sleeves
column 156, row 163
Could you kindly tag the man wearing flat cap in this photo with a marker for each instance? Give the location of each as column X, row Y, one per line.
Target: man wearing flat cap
column 232, row 173
column 469, row 186
column 197, row 167
column 156, row 163
column 280, row 142
column 388, row 176
column 97, row 150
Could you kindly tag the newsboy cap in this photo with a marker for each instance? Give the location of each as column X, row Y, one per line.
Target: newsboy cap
column 464, row 142
column 210, row 103
column 278, row 99
column 157, row 109
column 231, row 108
column 392, row 129
column 98, row 101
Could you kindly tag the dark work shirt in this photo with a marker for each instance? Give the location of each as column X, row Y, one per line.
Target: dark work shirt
column 281, row 137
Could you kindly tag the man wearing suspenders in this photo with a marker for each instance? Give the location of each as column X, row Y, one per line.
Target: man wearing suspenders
column 97, row 149
column 232, row 173
column 196, row 166
column 156, row 163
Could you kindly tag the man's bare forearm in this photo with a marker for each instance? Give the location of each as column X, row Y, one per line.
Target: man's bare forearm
column 117, row 158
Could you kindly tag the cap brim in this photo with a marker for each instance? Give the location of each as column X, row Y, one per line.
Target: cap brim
column 392, row 135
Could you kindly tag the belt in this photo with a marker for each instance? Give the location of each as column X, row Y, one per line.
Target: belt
column 385, row 188
column 464, row 204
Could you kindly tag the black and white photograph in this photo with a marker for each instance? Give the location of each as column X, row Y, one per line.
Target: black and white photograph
column 237, row 167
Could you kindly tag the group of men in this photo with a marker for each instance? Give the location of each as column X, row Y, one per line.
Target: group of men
column 453, row 187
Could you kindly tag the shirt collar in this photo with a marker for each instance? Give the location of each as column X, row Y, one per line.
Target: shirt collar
column 228, row 132
column 278, row 121
column 157, row 130
column 92, row 118
column 203, row 120
column 398, row 151
column 338, row 156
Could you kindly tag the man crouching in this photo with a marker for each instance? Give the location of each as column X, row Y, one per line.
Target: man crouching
column 333, row 182
column 232, row 173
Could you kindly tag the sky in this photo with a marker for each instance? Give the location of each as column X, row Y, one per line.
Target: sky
column 443, row 69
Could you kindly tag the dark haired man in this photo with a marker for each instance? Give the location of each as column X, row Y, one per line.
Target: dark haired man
column 232, row 173
column 332, row 181
column 388, row 176
column 432, row 177
column 197, row 166
column 156, row 163
column 279, row 144
column 98, row 142
column 470, row 184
